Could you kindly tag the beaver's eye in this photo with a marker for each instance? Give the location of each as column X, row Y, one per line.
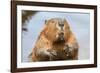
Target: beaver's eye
column 53, row 21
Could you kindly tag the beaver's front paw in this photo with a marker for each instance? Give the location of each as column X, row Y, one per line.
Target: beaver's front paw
column 68, row 49
column 52, row 52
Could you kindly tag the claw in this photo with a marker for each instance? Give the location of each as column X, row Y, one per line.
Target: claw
column 53, row 52
column 68, row 49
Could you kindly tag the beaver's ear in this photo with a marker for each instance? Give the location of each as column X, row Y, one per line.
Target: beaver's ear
column 66, row 22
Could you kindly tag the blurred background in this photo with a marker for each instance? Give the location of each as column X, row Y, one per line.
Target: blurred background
column 33, row 22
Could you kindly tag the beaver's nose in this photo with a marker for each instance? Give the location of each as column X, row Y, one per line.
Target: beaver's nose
column 61, row 33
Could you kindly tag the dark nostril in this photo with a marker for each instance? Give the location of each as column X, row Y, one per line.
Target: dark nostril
column 62, row 33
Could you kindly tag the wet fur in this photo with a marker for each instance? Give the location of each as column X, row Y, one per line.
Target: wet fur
column 47, row 48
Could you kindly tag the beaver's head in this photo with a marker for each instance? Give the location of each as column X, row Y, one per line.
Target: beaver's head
column 56, row 29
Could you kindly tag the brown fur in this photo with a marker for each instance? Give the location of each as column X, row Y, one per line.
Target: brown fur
column 48, row 48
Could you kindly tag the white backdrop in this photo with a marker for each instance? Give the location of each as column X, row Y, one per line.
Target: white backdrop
column 5, row 36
